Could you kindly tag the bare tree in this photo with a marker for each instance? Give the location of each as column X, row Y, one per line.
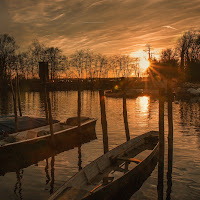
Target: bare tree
column 7, row 54
column 56, row 60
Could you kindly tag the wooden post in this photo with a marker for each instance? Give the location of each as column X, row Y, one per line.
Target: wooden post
column 44, row 77
column 46, row 104
column 15, row 106
column 50, row 117
column 170, row 142
column 104, row 121
column 125, row 115
column 18, row 95
column 79, row 107
column 161, row 144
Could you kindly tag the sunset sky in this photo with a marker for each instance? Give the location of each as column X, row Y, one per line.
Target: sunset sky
column 105, row 26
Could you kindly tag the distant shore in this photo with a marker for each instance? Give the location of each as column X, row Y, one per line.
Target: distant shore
column 84, row 84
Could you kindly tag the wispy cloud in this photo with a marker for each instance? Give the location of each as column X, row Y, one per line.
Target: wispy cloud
column 107, row 26
column 92, row 22
column 170, row 27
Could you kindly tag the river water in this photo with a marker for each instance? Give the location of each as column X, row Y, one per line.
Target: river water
column 39, row 181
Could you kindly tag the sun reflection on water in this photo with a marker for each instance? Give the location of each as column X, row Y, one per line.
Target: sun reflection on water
column 143, row 104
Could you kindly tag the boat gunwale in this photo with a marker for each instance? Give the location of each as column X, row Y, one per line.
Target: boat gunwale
column 135, row 139
column 90, row 120
column 130, row 172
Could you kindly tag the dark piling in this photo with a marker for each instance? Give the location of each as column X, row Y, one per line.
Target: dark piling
column 18, row 95
column 170, row 142
column 161, row 144
column 103, row 120
column 15, row 106
column 125, row 113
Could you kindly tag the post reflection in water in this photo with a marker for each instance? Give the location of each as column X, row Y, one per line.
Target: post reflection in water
column 47, row 172
column 79, row 158
column 186, row 127
column 52, row 170
column 52, row 175
column 18, row 185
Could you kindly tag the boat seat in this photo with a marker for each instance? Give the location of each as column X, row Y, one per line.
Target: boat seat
column 137, row 161
column 118, row 169
column 31, row 134
column 106, row 180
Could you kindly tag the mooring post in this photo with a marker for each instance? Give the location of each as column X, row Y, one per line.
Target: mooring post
column 103, row 120
column 125, row 113
column 170, row 141
column 44, row 78
column 161, row 144
column 79, row 122
column 18, row 95
column 46, row 104
column 15, row 106
column 79, row 107
column 50, row 118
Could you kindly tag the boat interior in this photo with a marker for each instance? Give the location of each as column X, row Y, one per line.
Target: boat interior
column 106, row 170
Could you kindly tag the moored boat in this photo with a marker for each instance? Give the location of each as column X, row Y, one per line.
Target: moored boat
column 101, row 180
column 36, row 144
column 7, row 123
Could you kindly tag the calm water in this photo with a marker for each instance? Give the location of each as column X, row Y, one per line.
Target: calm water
column 38, row 181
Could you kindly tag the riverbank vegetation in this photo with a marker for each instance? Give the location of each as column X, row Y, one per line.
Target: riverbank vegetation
column 181, row 63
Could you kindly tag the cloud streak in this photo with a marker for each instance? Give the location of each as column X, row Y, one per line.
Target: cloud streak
column 106, row 26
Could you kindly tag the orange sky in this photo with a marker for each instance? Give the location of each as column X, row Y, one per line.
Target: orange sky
column 105, row 26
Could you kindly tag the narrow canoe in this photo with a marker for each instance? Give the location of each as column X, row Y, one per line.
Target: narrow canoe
column 97, row 180
column 30, row 147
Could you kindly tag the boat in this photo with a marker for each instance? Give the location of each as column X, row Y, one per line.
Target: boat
column 130, row 93
column 7, row 123
column 109, row 177
column 28, row 147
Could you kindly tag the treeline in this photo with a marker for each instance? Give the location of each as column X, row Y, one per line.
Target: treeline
column 181, row 62
column 81, row 64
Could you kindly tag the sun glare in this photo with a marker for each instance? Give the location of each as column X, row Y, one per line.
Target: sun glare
column 144, row 64
column 143, row 56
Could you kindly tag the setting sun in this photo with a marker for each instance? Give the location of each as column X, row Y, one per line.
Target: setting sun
column 144, row 64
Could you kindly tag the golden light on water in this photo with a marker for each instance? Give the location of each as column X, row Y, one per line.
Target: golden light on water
column 143, row 104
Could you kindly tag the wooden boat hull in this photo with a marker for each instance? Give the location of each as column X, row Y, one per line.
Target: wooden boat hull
column 127, row 185
column 78, row 187
column 7, row 123
column 21, row 154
